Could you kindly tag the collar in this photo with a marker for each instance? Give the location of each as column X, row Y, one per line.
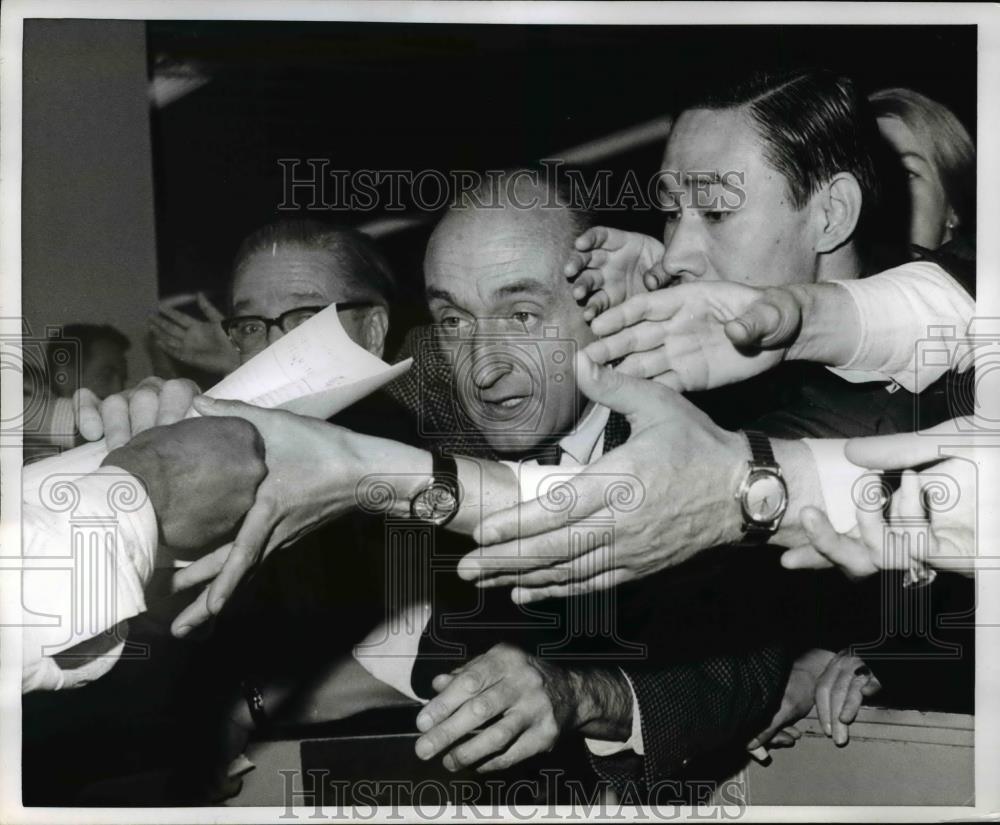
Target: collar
column 582, row 445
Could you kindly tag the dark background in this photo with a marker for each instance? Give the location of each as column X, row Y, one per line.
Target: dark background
column 418, row 96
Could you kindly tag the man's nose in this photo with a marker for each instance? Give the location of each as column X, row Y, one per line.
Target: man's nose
column 490, row 363
column 683, row 247
column 274, row 332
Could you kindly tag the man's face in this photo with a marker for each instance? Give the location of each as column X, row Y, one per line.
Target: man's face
column 508, row 325
column 104, row 372
column 292, row 278
column 763, row 242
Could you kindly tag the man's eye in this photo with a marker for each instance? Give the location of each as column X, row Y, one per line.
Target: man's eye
column 715, row 215
column 672, row 215
column 249, row 327
column 524, row 318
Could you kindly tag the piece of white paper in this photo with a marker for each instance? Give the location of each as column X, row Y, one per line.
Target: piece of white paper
column 314, row 370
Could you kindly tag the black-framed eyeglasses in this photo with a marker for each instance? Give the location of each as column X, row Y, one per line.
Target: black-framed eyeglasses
column 248, row 332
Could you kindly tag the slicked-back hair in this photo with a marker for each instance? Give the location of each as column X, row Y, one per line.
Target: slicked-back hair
column 361, row 264
column 813, row 125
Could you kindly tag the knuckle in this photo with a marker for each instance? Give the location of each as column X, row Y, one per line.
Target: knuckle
column 483, row 708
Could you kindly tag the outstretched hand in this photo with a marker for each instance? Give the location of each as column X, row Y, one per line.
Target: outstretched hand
column 607, row 266
column 657, row 525
column 698, row 336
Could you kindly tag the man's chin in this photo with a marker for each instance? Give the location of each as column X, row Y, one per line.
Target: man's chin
column 515, row 446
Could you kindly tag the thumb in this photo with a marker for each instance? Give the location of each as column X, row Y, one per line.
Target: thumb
column 762, row 324
column 633, row 397
column 206, row 405
column 207, row 307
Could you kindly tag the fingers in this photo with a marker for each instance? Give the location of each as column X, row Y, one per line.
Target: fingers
column 639, row 400
column 143, row 406
column 602, row 581
column 204, row 569
column 785, row 738
column 88, row 414
column 206, row 306
column 114, row 411
column 192, row 616
column 180, row 319
column 596, row 237
column 589, row 563
column 494, row 740
column 838, row 696
column 907, row 503
column 525, row 747
column 246, row 549
column 636, row 338
column 902, row 450
column 863, row 685
column 533, row 534
column 651, row 364
column 804, row 557
column 850, row 555
column 653, row 306
column 258, row 416
column 470, row 700
column 824, row 686
column 175, row 400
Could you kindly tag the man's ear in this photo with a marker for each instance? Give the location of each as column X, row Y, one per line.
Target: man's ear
column 838, row 209
column 376, row 326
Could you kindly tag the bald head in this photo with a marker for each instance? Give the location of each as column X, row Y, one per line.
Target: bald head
column 494, row 283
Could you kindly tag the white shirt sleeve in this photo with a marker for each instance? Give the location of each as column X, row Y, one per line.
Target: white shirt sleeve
column 913, row 323
column 89, row 544
column 390, row 651
column 838, row 479
column 534, row 480
column 602, row 747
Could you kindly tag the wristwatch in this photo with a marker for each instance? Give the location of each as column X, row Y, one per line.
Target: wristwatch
column 438, row 502
column 763, row 494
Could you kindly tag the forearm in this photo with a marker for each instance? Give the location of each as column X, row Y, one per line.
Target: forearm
column 485, row 486
column 831, row 324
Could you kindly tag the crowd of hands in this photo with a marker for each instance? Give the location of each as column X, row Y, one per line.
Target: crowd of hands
column 261, row 484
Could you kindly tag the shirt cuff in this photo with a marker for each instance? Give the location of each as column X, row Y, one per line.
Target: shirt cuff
column 921, row 339
column 603, row 747
column 838, row 478
column 534, row 480
column 390, row 651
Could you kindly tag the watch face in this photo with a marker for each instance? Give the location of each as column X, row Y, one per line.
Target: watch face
column 435, row 504
column 765, row 498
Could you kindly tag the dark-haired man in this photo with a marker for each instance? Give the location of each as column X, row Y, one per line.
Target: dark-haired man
column 802, row 142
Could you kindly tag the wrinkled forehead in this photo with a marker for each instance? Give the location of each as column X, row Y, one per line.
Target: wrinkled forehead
column 486, row 257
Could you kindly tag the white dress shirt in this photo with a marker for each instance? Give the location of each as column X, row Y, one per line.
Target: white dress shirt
column 89, row 543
